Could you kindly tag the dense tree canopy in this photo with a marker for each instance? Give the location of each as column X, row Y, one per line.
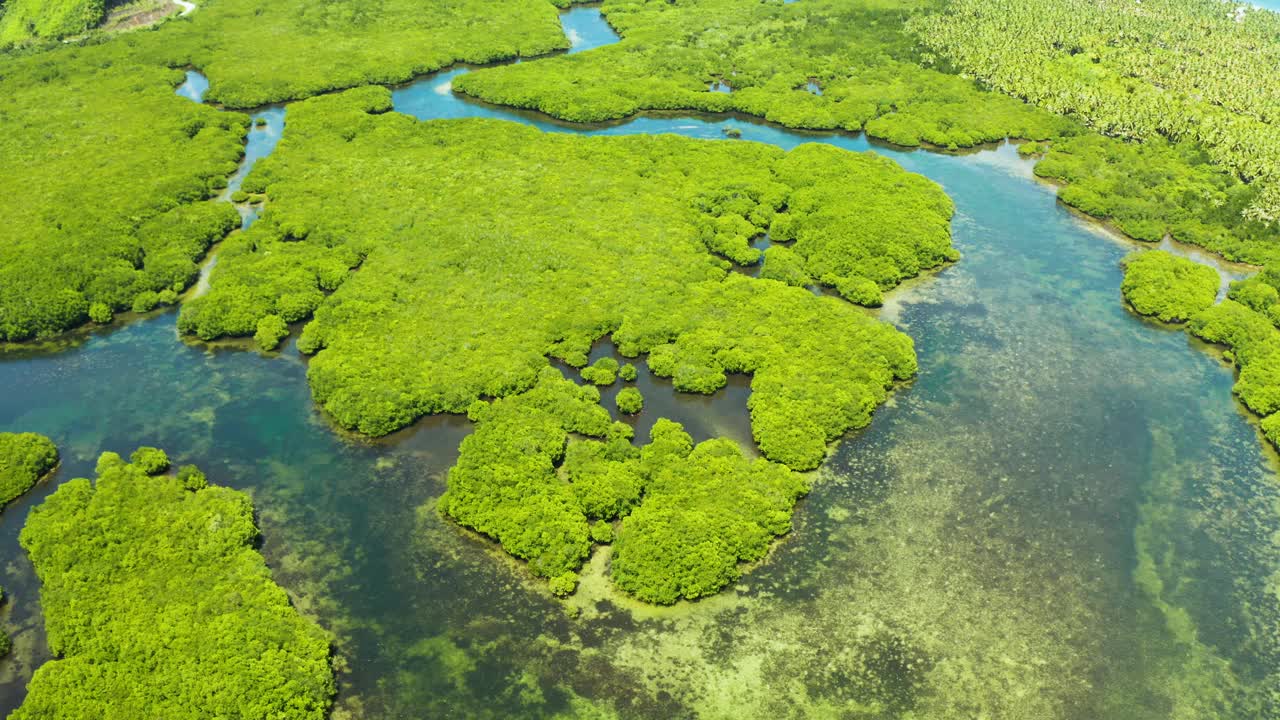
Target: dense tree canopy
column 773, row 56
column 24, row 459
column 485, row 247
column 1172, row 288
column 157, row 604
column 316, row 48
column 705, row 510
column 691, row 514
column 1168, row 287
column 105, row 169
column 1202, row 70
column 25, row 20
column 1156, row 188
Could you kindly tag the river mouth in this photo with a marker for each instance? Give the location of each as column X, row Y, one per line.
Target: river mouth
column 984, row 543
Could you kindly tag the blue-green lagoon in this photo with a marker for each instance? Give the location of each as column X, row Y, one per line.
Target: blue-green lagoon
column 1066, row 514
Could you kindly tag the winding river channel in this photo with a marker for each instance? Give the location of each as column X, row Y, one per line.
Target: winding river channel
column 1066, row 515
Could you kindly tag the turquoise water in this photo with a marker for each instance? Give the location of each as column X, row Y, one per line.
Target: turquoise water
column 586, row 29
column 1066, row 515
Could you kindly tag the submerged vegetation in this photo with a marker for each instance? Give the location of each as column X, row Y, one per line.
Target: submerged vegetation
column 706, row 508
column 771, row 55
column 1157, row 283
column 157, row 604
column 474, row 273
column 1168, row 287
column 484, row 248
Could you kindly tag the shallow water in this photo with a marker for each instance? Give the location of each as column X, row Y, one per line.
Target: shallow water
column 586, row 29
column 1026, row 531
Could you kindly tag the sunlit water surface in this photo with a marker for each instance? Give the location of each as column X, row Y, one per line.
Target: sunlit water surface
column 1066, row 515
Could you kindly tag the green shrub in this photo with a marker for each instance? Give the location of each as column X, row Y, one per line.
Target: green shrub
column 271, row 330
column 111, row 220
column 101, row 313
column 467, row 302
column 154, row 596
column 145, row 301
column 601, row 532
column 149, row 460
column 628, row 372
column 868, row 66
column 564, row 584
column 1166, row 286
column 192, row 478
column 630, row 401
column 24, row 459
column 705, row 509
column 690, row 514
column 602, row 372
column 23, row 21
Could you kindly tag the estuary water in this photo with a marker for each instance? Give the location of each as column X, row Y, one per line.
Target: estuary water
column 1066, row 515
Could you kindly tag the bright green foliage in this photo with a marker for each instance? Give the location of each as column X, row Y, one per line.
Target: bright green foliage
column 316, row 48
column 783, row 264
column 1200, row 70
column 491, row 246
column 1154, row 188
column 816, row 371
column 601, row 532
column 691, row 514
column 145, row 301
column 101, row 313
column 705, row 509
column 24, row 459
column 98, row 201
column 850, row 234
column 1271, row 428
column 628, row 372
column 1255, row 345
column 1167, row 286
column 156, row 604
column 271, row 330
column 149, row 460
column 102, row 198
column 564, row 584
column 601, row 372
column 505, row 485
column 767, row 51
column 192, row 478
column 606, row 478
column 25, row 20
column 1031, row 148
column 630, row 401
column 1260, row 293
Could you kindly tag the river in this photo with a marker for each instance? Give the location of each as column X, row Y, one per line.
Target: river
column 1065, row 515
